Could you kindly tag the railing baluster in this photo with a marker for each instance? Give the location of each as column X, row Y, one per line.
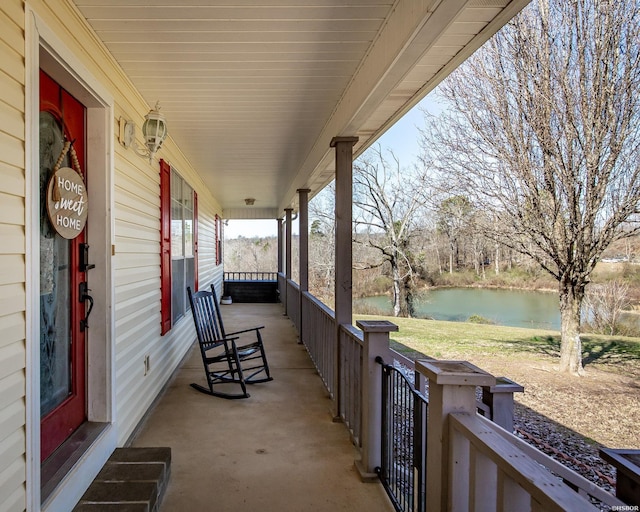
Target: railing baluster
column 250, row 276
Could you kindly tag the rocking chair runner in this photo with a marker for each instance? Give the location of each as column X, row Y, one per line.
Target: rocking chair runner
column 222, row 357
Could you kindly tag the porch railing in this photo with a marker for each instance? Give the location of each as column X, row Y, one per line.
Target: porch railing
column 293, row 303
column 476, row 473
column 282, row 287
column 503, row 477
column 250, row 276
column 318, row 334
column 351, row 341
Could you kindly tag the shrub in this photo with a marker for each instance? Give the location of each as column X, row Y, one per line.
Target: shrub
column 477, row 319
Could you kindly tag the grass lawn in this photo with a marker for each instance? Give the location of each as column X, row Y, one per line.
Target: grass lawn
column 603, row 406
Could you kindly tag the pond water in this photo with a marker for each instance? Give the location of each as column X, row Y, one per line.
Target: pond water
column 514, row 308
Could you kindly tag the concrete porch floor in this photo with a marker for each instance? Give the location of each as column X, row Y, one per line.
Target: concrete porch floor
column 275, row 451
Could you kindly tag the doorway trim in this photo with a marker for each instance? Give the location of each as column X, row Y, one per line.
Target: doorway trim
column 44, row 49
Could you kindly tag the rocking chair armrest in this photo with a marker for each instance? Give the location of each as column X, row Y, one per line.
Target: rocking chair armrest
column 245, row 330
column 209, row 344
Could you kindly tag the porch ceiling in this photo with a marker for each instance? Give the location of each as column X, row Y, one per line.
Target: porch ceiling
column 254, row 90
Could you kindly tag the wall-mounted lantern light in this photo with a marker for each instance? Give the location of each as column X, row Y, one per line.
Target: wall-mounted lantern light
column 154, row 131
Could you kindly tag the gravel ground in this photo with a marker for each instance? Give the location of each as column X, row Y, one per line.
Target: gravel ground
column 567, row 447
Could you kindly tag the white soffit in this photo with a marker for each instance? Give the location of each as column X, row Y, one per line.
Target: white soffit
column 254, row 90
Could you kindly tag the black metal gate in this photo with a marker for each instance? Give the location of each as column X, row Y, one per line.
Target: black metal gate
column 404, row 440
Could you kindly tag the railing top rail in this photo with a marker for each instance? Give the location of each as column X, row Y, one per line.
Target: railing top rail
column 544, row 488
column 353, row 332
column 556, row 467
column 402, row 359
column 293, row 284
column 319, row 304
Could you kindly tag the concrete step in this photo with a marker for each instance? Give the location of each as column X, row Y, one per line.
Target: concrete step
column 132, row 480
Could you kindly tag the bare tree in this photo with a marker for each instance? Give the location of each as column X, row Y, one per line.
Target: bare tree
column 250, row 254
column 604, row 304
column 389, row 203
column 454, row 216
column 322, row 244
column 543, row 130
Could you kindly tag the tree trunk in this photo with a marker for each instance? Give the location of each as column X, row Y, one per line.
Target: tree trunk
column 438, row 260
column 397, row 289
column 451, row 249
column 570, row 344
column 408, row 310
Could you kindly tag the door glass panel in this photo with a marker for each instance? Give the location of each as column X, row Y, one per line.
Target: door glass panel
column 55, row 292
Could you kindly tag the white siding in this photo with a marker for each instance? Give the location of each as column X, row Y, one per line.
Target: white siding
column 138, row 284
column 12, row 258
column 138, row 290
column 136, row 260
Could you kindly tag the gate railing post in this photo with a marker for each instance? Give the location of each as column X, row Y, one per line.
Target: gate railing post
column 376, row 343
column 452, row 388
column 499, row 399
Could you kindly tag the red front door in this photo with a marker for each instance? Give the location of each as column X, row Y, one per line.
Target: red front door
column 62, row 340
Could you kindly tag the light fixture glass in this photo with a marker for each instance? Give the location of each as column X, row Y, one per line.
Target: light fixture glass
column 154, row 131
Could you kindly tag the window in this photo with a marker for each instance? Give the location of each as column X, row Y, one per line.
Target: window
column 182, row 248
column 179, row 245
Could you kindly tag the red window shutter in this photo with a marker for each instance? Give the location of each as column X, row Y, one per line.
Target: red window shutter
column 195, row 239
column 165, row 246
column 218, row 251
column 219, row 241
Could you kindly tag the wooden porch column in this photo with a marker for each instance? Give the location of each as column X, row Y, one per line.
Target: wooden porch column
column 303, row 241
column 282, row 284
column 303, row 197
column 344, row 216
column 452, row 388
column 280, row 246
column 343, row 256
column 287, row 256
column 287, row 270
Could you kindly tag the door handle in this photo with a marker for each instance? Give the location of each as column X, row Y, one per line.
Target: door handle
column 84, row 258
column 84, row 297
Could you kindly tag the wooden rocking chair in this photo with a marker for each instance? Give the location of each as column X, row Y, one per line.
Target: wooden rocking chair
column 254, row 372
column 221, row 356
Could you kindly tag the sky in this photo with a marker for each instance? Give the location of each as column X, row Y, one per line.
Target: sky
column 402, row 138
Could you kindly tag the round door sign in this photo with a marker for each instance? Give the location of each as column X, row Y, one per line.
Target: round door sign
column 67, row 202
